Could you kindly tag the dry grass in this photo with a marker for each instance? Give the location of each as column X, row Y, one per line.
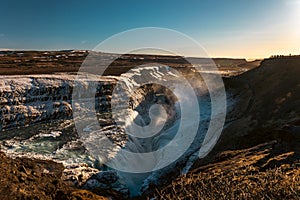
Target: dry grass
column 240, row 174
column 249, row 183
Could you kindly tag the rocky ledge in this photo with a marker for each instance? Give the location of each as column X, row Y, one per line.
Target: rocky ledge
column 31, row 99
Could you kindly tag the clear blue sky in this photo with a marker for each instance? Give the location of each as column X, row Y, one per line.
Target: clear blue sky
column 229, row 28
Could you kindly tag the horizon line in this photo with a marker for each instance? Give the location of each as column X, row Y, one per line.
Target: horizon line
column 187, row 56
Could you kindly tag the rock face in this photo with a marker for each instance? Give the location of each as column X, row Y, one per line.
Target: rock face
column 27, row 100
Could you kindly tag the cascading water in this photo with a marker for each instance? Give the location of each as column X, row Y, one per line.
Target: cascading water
column 160, row 114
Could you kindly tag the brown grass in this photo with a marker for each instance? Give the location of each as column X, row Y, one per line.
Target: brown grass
column 247, row 183
column 267, row 171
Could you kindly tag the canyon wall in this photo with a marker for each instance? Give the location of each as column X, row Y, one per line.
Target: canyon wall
column 27, row 100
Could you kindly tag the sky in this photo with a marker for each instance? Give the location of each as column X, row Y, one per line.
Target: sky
column 225, row 28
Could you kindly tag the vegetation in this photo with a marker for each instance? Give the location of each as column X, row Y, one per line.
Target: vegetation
column 240, row 174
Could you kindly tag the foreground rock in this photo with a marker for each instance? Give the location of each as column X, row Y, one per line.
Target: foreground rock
column 23, row 178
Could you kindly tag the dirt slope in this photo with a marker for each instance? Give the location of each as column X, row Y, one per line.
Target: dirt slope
column 271, row 100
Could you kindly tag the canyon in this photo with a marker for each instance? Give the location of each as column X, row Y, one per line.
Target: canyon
column 37, row 121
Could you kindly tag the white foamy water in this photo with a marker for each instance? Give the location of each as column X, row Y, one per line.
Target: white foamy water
column 165, row 131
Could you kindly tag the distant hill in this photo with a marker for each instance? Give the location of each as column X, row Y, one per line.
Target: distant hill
column 48, row 62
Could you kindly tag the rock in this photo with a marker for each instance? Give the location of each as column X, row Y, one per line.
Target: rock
column 102, row 179
column 94, row 183
column 86, row 195
column 22, row 178
column 106, row 177
column 32, row 99
column 78, row 174
column 106, row 183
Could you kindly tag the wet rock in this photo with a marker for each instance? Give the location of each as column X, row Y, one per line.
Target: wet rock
column 106, row 177
column 94, row 183
column 78, row 174
column 107, row 183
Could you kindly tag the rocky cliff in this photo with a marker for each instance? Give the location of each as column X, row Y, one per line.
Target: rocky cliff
column 31, row 99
